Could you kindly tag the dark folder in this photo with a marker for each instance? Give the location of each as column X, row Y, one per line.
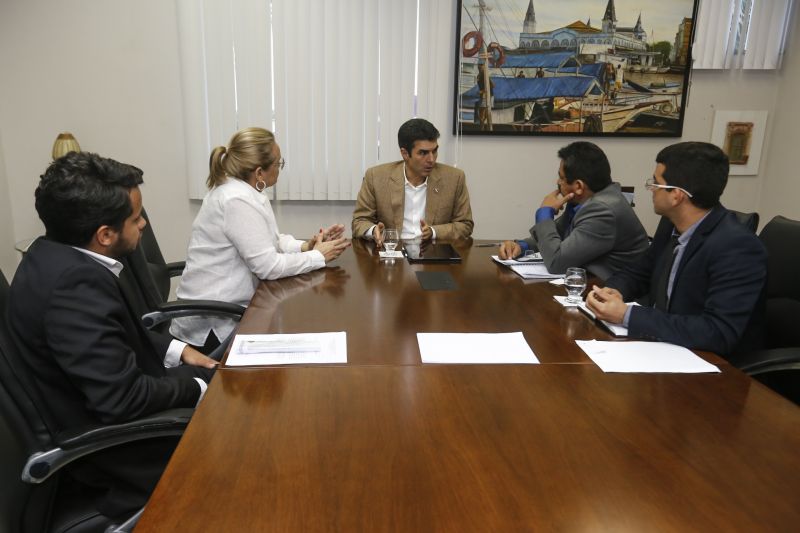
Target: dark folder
column 432, row 253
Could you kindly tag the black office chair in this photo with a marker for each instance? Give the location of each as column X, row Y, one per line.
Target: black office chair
column 35, row 493
column 778, row 365
column 142, row 291
column 748, row 220
column 160, row 270
column 627, row 192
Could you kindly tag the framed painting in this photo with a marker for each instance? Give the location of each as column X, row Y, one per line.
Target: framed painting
column 585, row 67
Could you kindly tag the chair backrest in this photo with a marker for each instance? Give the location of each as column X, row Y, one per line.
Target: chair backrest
column 627, row 192
column 748, row 220
column 151, row 252
column 23, row 507
column 781, row 238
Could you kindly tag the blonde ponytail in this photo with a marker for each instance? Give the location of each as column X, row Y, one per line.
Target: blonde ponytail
column 216, row 172
column 247, row 150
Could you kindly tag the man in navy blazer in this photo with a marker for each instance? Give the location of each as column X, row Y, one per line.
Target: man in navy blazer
column 88, row 353
column 704, row 274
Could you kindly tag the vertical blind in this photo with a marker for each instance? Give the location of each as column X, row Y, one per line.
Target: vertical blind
column 332, row 80
column 747, row 34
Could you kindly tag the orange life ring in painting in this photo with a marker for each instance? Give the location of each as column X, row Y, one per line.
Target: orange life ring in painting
column 477, row 42
column 496, row 55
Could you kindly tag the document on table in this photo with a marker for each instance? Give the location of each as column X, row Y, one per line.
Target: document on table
column 638, row 356
column 475, row 348
column 618, row 330
column 527, row 270
column 288, row 349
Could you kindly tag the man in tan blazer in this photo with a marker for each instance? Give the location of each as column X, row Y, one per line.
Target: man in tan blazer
column 418, row 196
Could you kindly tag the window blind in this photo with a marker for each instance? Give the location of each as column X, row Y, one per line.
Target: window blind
column 332, row 80
column 747, row 34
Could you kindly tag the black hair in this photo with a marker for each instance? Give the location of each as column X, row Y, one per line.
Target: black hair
column 699, row 167
column 416, row 129
column 80, row 192
column 586, row 161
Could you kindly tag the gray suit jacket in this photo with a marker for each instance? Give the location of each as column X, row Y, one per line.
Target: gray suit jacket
column 606, row 234
column 382, row 199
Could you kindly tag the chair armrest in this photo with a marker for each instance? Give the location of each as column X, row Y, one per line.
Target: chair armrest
column 180, row 308
column 773, row 360
column 176, row 268
column 74, row 444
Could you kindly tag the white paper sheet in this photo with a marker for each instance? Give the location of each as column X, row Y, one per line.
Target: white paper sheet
column 322, row 348
column 395, row 254
column 527, row 270
column 475, row 348
column 618, row 330
column 644, row 357
column 563, row 301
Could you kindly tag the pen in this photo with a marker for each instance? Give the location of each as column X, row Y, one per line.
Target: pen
column 487, row 245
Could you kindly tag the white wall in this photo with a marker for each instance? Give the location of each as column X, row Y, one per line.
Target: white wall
column 780, row 194
column 108, row 71
column 8, row 259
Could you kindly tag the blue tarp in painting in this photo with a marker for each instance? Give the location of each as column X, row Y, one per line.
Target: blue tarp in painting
column 517, row 90
column 547, row 60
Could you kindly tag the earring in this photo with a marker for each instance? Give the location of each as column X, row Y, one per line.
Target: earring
column 261, row 185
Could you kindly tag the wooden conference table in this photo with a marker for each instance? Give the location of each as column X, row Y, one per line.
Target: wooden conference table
column 385, row 443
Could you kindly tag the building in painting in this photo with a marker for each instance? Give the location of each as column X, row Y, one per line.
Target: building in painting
column 680, row 52
column 577, row 34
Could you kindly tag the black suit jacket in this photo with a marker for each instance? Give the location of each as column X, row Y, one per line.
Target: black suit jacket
column 717, row 297
column 90, row 357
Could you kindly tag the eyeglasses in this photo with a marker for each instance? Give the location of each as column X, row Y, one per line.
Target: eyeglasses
column 281, row 163
column 650, row 184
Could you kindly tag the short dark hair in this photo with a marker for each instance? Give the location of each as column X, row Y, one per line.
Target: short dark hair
column 699, row 167
column 586, row 161
column 82, row 191
column 416, row 129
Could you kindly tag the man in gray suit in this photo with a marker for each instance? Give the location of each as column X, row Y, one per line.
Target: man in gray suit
column 598, row 229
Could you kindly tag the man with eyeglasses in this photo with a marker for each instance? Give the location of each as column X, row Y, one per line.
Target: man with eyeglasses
column 704, row 274
column 598, row 229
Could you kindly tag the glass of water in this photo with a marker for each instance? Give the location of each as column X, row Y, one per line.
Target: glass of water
column 575, row 282
column 390, row 239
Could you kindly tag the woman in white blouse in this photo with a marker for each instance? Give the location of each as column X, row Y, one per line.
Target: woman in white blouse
column 235, row 240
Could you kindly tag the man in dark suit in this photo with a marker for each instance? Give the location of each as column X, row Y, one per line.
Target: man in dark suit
column 91, row 359
column 704, row 273
column 598, row 229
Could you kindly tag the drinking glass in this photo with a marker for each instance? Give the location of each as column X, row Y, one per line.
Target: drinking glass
column 575, row 282
column 390, row 239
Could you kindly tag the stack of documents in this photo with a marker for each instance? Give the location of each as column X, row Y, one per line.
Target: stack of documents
column 288, row 349
column 475, row 348
column 644, row 357
column 527, row 270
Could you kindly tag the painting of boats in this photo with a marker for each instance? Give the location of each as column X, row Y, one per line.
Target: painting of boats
column 548, row 69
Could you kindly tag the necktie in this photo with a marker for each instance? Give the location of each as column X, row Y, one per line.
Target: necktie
column 570, row 214
column 661, row 299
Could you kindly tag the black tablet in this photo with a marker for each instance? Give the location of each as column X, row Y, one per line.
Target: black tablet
column 431, row 253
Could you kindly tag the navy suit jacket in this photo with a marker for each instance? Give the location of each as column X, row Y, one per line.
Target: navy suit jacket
column 88, row 353
column 717, row 297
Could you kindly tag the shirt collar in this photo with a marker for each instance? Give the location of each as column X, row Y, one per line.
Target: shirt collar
column 422, row 185
column 109, row 262
column 684, row 237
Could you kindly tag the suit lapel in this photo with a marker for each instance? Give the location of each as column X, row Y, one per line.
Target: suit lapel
column 432, row 197
column 398, row 196
column 697, row 240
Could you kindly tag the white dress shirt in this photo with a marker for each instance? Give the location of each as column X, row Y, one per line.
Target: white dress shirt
column 234, row 244
column 416, row 200
column 175, row 349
